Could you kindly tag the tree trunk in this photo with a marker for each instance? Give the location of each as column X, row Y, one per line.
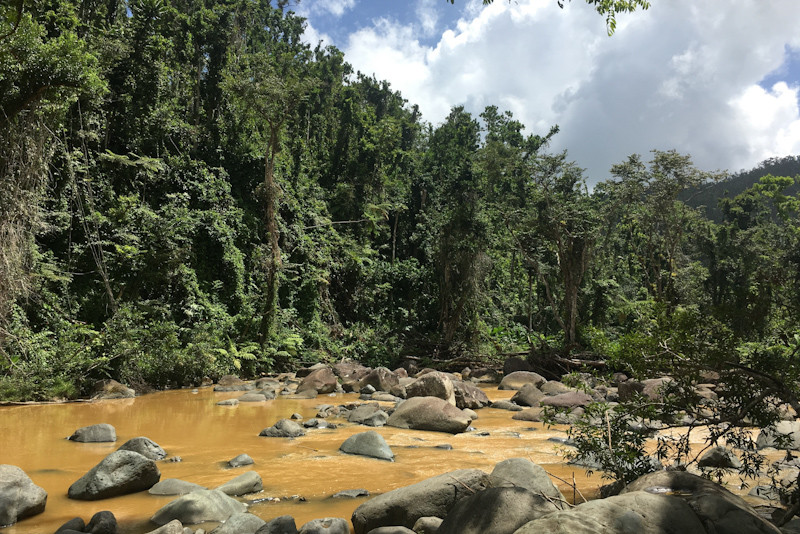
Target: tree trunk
column 271, row 196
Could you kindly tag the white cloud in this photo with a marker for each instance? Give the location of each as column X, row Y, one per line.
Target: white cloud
column 681, row 75
column 336, row 8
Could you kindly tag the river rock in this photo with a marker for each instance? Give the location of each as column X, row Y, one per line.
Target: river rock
column 102, row 523
column 144, row 446
column 321, row 380
column 173, row 527
column 228, row 402
column 506, row 405
column 249, row 482
column 469, row 396
column 427, row 525
column 554, row 387
column 76, row 524
column 111, row 389
column 517, row 379
column 368, row 414
column 629, row 389
column 783, row 434
column 240, row 523
column 571, row 399
column 528, row 395
column 529, row 414
column 381, row 378
column 654, row 387
column 19, row 496
column 253, row 396
column 391, row 530
column 635, row 513
column 119, row 473
column 350, row 369
column 719, row 457
column 100, row 433
column 432, row 497
column 174, row 486
column 326, row 525
column 305, row 371
column 513, row 364
column 429, row 413
column 718, row 509
column 495, row 511
column 280, row 525
column 369, row 444
column 285, row 428
column 523, row 473
column 198, row 507
column 485, row 376
column 433, row 384
column 241, row 460
column 350, row 494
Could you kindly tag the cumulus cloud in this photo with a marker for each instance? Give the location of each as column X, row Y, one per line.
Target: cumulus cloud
column 682, row 75
column 337, row 8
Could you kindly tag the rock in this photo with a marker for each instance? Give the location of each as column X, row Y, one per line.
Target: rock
column 514, row 364
column 654, row 387
column 228, row 402
column 368, row 414
column 369, row 444
column 486, row 376
column 231, row 385
column 111, row 389
column 391, row 530
column 427, row 525
column 351, row 494
column 144, row 446
column 174, row 486
column 572, row 399
column 381, row 378
column 198, row 507
column 432, row 497
column 350, row 369
column 75, row 524
column 19, row 496
column 327, row 525
column 554, row 387
column 101, row 433
column 308, row 393
column 285, row 428
column 629, row 389
column 634, row 513
column 249, row 482
column 305, row 371
column 529, row 414
column 719, row 510
column 119, row 473
column 253, row 396
column 719, row 457
column 529, row 395
column 470, row 413
column 240, row 461
column 102, row 523
column 469, row 396
column 173, row 527
column 517, row 379
column 770, row 493
column 321, row 380
column 240, row 523
column 523, row 473
column 429, row 413
column 495, row 511
column 506, row 405
column 280, row 525
column 432, row 384
column 784, row 435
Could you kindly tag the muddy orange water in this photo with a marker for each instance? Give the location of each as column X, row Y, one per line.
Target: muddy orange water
column 190, row 425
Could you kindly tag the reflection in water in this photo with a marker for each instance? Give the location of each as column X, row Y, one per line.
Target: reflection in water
column 206, row 436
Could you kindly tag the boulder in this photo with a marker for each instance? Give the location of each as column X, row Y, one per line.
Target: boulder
column 431, row 497
column 350, row 494
column 654, row 387
column 528, row 395
column 119, row 473
column 719, row 510
column 368, row 414
column 285, row 428
column 429, row 413
column 174, row 486
column 111, row 389
column 369, row 444
column 427, row 525
column 253, row 396
column 391, row 530
column 433, row 384
column 571, row 399
column 280, row 525
column 100, row 433
column 228, row 402
column 517, row 379
column 381, row 378
column 495, row 511
column 469, row 396
column 506, row 405
column 523, row 473
column 529, row 414
column 305, row 371
column 102, row 523
column 321, row 380
column 75, row 524
column 486, row 376
column 629, row 389
column 326, row 525
column 241, row 460
column 19, row 496
column 783, row 434
column 249, row 482
column 350, row 369
column 144, row 446
column 198, row 507
column 514, row 364
column 634, row 513
column 173, row 527
column 240, row 523
column 719, row 457
column 553, row 387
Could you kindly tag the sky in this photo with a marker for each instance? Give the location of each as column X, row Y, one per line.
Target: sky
column 716, row 79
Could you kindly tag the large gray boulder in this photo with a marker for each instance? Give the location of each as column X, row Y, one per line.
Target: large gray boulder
column 321, row 380
column 100, row 433
column 326, row 525
column 285, row 428
column 719, row 510
column 280, row 525
column 119, row 473
column 173, row 527
column 528, row 395
column 144, row 446
column 433, row 384
column 19, row 496
column 495, row 511
column 469, row 396
column 249, row 482
column 633, row 513
column 432, row 497
column 369, row 444
column 174, row 486
column 368, row 414
column 783, row 435
column 517, row 379
column 571, row 399
column 381, row 378
column 240, row 523
column 102, row 523
column 198, row 507
column 429, row 413
column 523, row 473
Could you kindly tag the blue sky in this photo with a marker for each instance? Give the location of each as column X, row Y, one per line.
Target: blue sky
column 717, row 79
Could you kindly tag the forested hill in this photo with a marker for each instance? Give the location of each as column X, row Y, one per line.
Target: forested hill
column 709, row 195
column 187, row 189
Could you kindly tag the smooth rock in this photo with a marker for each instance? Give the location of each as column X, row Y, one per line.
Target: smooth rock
column 469, row 396
column 144, row 446
column 119, row 473
column 285, row 428
column 351, row 494
column 719, row 457
column 381, row 378
column 529, row 414
column 173, row 486
column 434, row 384
column 102, row 523
column 240, row 523
column 76, row 524
column 280, row 525
column 369, row 415
column 249, row 482
column 391, row 530
column 198, row 507
column 19, row 496
column 429, row 413
column 241, row 460
column 228, row 402
column 523, row 473
column 506, row 405
column 326, row 525
column 321, row 380
column 368, row 443
column 495, row 511
column 427, row 525
column 784, row 435
column 100, row 433
column 572, row 399
column 173, row 527
column 517, row 379
column 528, row 395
